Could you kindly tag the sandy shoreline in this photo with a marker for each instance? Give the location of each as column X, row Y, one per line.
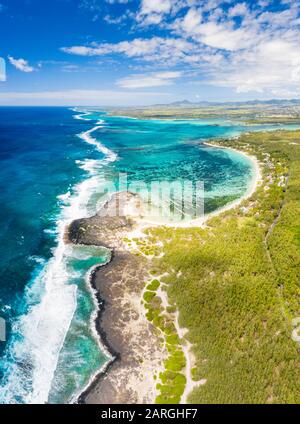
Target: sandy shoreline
column 200, row 222
column 256, row 180
column 135, row 353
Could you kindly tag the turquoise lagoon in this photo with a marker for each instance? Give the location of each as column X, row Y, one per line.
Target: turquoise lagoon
column 55, row 165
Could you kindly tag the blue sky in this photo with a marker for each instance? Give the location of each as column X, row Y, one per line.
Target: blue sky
column 135, row 52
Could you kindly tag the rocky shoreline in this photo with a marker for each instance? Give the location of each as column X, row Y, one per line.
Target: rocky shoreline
column 136, row 354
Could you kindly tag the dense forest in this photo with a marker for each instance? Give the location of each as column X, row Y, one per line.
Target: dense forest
column 236, row 285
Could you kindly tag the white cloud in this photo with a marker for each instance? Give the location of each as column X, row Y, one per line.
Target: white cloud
column 155, row 6
column 270, row 67
column 224, row 37
column 215, row 31
column 153, row 80
column 191, row 21
column 83, row 98
column 259, row 52
column 152, row 11
column 114, row 21
column 148, row 49
column 21, row 64
column 239, row 9
column 117, row 1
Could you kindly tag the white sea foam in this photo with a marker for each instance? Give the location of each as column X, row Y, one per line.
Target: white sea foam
column 50, row 231
column 65, row 196
column 6, row 308
column 110, row 156
column 52, row 302
column 82, row 115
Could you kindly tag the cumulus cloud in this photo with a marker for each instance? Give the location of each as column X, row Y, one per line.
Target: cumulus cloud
column 152, row 11
column 240, row 9
column 223, row 36
column 245, row 45
column 155, row 6
column 191, row 21
column 153, row 80
column 271, row 66
column 21, row 64
column 147, row 49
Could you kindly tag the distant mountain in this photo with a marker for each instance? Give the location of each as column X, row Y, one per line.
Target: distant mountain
column 272, row 102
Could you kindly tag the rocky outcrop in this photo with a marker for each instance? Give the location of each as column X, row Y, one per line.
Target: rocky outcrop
column 121, row 323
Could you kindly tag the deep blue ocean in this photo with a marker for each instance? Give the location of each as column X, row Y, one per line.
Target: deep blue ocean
column 53, row 162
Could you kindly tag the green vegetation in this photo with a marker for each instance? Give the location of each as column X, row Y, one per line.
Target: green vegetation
column 274, row 120
column 148, row 296
column 153, row 286
column 144, row 246
column 236, row 284
column 250, row 114
column 172, row 381
column 211, row 204
column 184, row 113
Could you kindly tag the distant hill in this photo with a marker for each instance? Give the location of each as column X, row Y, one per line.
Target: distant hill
column 187, row 103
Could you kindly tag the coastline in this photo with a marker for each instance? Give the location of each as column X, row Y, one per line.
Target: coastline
column 98, row 334
column 135, row 352
column 200, row 222
column 116, row 382
column 256, row 180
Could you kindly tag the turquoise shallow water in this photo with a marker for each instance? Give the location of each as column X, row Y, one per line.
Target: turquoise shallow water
column 50, row 176
column 171, row 151
column 82, row 351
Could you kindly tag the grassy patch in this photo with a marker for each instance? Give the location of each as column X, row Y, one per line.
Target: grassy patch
column 153, row 286
column 172, row 380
